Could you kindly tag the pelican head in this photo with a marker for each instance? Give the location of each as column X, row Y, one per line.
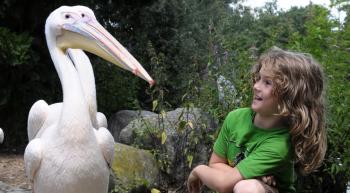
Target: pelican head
column 77, row 27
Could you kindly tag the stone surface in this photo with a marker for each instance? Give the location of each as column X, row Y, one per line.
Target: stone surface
column 122, row 118
column 134, row 169
column 186, row 134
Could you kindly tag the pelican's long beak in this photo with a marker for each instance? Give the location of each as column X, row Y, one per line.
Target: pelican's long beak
column 89, row 35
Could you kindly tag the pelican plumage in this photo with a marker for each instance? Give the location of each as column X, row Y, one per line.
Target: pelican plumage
column 86, row 75
column 67, row 151
column 48, row 114
column 1, row 135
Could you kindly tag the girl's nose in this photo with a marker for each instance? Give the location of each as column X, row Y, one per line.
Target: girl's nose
column 256, row 86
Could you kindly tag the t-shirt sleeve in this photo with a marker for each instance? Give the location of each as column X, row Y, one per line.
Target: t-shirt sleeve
column 268, row 158
column 220, row 145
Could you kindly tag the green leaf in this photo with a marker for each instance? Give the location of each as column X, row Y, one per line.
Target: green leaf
column 181, row 115
column 154, row 190
column 189, row 160
column 190, row 124
column 163, row 114
column 154, row 105
column 181, row 125
column 164, row 136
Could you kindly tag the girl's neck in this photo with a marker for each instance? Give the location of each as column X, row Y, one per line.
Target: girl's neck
column 269, row 121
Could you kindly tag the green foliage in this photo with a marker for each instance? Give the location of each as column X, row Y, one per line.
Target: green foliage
column 14, row 49
column 14, row 55
column 329, row 47
column 115, row 88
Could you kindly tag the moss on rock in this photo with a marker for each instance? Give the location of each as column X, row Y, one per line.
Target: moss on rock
column 134, row 167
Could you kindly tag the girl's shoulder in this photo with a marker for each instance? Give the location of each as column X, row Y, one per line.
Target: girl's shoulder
column 239, row 116
column 241, row 112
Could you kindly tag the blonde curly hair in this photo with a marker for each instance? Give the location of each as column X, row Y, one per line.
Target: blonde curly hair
column 298, row 84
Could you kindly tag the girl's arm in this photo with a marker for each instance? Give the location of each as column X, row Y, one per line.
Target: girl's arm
column 215, row 179
column 218, row 162
column 221, row 164
column 217, row 176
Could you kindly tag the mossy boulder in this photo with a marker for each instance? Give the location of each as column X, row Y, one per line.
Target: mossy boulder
column 122, row 118
column 134, row 169
column 181, row 139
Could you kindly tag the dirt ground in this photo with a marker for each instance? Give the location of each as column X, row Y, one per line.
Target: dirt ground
column 12, row 171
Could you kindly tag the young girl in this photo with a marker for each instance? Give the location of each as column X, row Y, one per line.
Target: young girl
column 283, row 126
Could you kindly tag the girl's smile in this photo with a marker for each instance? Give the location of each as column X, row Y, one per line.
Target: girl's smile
column 264, row 102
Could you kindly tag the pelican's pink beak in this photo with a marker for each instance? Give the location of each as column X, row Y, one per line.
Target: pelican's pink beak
column 89, row 35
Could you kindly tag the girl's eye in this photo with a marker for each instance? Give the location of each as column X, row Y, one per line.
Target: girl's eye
column 268, row 82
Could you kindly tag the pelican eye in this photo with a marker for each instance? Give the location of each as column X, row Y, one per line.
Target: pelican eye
column 67, row 16
column 82, row 15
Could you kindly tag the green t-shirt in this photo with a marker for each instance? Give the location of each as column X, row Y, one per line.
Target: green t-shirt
column 255, row 151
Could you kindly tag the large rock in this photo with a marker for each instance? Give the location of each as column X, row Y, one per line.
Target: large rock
column 227, row 91
column 122, row 118
column 182, row 139
column 135, row 170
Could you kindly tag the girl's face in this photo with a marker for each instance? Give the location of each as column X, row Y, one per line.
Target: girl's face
column 264, row 102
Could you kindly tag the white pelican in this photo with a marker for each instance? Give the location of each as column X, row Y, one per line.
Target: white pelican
column 42, row 112
column 1, row 136
column 65, row 152
column 86, row 75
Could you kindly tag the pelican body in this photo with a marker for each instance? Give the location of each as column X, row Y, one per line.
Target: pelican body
column 69, row 151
